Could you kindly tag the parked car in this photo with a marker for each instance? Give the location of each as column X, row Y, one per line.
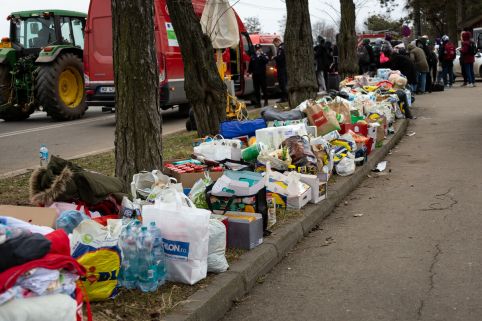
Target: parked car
column 477, row 65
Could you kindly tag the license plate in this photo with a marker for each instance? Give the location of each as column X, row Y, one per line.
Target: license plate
column 107, row 90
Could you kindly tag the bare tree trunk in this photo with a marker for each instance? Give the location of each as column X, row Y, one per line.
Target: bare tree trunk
column 204, row 88
column 348, row 61
column 417, row 19
column 451, row 16
column 300, row 59
column 138, row 134
column 461, row 14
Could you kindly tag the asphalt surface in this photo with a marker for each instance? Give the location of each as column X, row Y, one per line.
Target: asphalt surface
column 405, row 245
column 20, row 141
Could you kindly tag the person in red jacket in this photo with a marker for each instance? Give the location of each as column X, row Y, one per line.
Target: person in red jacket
column 468, row 51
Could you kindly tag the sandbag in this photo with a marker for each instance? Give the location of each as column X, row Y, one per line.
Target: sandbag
column 270, row 113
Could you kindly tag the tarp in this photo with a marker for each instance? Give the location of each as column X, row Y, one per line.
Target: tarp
column 219, row 22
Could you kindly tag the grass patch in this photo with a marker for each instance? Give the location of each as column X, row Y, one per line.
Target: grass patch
column 15, row 190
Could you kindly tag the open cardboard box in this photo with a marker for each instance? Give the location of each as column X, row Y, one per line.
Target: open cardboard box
column 42, row 216
column 188, row 179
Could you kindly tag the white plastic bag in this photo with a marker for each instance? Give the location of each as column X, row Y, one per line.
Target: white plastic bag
column 56, row 307
column 143, row 183
column 346, row 166
column 217, row 262
column 220, row 149
column 185, row 234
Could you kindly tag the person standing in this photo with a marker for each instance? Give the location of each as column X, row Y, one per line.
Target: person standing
column 365, row 56
column 257, row 67
column 330, row 61
column 467, row 55
column 280, row 59
column 321, row 58
column 447, row 54
column 421, row 65
column 424, row 43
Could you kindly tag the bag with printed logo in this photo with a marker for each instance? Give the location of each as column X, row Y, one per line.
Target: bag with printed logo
column 185, row 235
column 96, row 248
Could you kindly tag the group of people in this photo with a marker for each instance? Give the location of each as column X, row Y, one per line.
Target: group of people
column 426, row 64
column 325, row 59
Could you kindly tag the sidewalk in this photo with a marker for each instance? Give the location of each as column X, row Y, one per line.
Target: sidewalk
column 415, row 253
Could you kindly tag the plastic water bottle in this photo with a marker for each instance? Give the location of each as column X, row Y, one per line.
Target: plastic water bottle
column 44, row 155
column 158, row 253
column 130, row 262
column 147, row 273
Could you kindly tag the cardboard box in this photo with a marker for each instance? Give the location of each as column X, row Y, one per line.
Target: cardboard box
column 283, row 201
column 42, row 216
column 243, row 233
column 318, row 188
column 364, row 130
column 188, row 179
column 277, row 187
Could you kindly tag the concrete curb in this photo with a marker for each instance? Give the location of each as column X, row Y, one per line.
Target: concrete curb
column 212, row 302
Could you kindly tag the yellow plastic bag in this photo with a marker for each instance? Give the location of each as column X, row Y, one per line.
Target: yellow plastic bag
column 95, row 247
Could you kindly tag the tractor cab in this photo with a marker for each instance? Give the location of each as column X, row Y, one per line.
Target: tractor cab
column 41, row 65
column 31, row 31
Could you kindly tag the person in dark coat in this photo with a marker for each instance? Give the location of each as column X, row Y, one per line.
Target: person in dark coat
column 404, row 64
column 365, row 56
column 330, row 62
column 424, row 43
column 321, row 59
column 257, row 67
column 446, row 54
column 280, row 59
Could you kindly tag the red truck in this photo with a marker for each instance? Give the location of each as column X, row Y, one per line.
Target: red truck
column 98, row 61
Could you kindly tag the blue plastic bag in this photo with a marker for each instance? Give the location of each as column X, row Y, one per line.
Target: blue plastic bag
column 232, row 129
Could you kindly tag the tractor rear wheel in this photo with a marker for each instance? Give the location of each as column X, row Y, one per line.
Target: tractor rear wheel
column 60, row 88
column 5, row 83
column 9, row 112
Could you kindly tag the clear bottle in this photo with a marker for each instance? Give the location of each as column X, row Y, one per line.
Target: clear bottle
column 44, row 155
column 158, row 253
column 130, row 263
column 147, row 272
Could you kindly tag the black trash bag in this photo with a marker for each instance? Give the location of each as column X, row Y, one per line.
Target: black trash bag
column 271, row 114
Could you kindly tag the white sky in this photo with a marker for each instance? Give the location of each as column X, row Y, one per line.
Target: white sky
column 269, row 11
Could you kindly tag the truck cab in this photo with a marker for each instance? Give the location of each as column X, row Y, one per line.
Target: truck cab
column 98, row 61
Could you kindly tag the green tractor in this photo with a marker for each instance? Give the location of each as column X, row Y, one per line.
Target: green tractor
column 41, row 65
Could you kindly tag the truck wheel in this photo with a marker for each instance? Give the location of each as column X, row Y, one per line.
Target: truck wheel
column 10, row 112
column 184, row 110
column 60, row 88
column 191, row 121
column 5, row 82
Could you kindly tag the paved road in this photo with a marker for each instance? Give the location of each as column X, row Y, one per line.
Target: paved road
column 415, row 254
column 20, row 141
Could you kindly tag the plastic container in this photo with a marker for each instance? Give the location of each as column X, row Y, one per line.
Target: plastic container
column 158, row 253
column 44, row 155
column 251, row 153
column 147, row 269
column 128, row 246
